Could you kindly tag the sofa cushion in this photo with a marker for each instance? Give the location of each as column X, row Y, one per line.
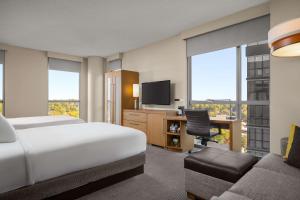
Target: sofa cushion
column 276, row 163
column 264, row 184
column 294, row 154
column 226, row 165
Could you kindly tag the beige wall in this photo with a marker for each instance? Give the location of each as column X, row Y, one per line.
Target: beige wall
column 164, row 60
column 95, row 87
column 83, row 95
column 285, row 79
column 167, row 59
column 26, row 82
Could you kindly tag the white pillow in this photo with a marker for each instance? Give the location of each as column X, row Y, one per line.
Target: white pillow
column 7, row 131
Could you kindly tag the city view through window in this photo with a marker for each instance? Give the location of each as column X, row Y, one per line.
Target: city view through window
column 63, row 93
column 215, row 79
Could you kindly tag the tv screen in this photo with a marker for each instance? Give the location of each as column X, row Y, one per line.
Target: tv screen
column 156, row 93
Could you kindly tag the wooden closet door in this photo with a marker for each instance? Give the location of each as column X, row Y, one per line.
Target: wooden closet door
column 155, row 127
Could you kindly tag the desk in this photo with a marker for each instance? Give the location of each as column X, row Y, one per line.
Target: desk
column 234, row 127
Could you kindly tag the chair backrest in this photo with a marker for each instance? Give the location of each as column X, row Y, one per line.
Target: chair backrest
column 198, row 122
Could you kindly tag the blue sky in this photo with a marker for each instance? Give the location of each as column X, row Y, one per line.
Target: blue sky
column 214, row 75
column 63, row 85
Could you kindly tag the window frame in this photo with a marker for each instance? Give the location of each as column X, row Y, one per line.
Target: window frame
column 3, row 83
column 238, row 102
column 64, row 101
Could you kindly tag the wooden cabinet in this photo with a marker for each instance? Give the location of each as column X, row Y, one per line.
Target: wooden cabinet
column 151, row 122
column 142, row 126
column 118, row 94
column 135, row 116
column 185, row 142
column 155, row 129
column 156, row 124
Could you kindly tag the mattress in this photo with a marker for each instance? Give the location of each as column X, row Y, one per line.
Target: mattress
column 40, row 121
column 54, row 151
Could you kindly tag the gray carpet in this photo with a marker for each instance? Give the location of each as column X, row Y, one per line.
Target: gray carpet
column 163, row 179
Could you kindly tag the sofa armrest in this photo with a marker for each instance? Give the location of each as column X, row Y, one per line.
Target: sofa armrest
column 283, row 145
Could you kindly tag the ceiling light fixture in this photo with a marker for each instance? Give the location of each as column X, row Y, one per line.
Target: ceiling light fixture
column 284, row 39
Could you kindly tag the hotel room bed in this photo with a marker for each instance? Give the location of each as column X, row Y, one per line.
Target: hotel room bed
column 41, row 121
column 54, row 154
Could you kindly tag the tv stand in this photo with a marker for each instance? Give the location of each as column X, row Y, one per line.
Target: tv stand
column 156, row 123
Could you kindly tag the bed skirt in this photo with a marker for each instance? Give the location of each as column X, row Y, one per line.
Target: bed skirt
column 79, row 183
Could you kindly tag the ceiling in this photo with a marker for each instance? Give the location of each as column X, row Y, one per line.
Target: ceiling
column 104, row 27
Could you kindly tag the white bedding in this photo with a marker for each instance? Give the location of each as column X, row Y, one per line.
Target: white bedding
column 12, row 166
column 40, row 121
column 57, row 150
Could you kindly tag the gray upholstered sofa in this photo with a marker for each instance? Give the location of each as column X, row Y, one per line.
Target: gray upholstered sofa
column 270, row 179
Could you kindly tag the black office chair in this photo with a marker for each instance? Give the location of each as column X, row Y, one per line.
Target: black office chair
column 198, row 124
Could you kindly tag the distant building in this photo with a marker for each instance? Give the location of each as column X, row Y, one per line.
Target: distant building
column 258, row 81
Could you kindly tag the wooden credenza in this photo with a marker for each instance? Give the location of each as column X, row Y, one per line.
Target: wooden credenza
column 150, row 122
column 155, row 123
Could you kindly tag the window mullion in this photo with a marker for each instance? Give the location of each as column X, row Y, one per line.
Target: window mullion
column 238, row 82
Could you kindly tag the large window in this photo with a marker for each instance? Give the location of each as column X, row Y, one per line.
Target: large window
column 234, row 83
column 214, row 76
column 1, row 81
column 64, row 86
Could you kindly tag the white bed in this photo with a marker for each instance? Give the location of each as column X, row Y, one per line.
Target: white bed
column 48, row 152
column 12, row 166
column 40, row 121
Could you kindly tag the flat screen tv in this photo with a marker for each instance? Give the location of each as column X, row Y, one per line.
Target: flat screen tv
column 157, row 93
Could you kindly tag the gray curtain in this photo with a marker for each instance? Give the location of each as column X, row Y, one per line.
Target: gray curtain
column 64, row 65
column 254, row 30
column 114, row 65
column 2, row 56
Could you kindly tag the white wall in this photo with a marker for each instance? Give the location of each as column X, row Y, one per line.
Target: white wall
column 285, row 79
column 95, row 78
column 164, row 60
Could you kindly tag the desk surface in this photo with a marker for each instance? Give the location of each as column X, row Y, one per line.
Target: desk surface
column 213, row 119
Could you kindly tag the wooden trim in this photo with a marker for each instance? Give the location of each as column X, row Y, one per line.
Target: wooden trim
column 292, row 39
